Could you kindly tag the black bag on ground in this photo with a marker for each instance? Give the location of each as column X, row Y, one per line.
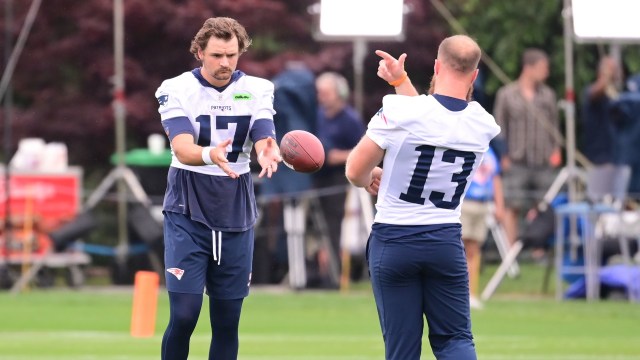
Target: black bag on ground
column 80, row 226
column 540, row 230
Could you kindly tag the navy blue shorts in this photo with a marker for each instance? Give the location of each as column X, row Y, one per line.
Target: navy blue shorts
column 418, row 272
column 198, row 258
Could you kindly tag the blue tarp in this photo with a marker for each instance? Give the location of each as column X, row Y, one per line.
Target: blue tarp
column 616, row 276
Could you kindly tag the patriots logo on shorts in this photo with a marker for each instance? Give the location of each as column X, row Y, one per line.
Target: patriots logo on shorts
column 163, row 100
column 177, row 272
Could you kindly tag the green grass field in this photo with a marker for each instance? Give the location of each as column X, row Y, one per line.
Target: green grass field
column 518, row 323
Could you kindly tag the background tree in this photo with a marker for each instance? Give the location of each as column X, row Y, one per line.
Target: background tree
column 504, row 28
column 63, row 89
column 62, row 84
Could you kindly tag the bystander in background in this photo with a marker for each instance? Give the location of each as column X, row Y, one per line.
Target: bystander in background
column 629, row 110
column 527, row 112
column 296, row 107
column 339, row 127
column 607, row 180
column 483, row 197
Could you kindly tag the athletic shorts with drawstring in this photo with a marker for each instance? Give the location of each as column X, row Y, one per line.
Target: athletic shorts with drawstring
column 198, row 258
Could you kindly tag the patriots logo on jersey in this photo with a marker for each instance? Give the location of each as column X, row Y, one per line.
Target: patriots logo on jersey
column 163, row 100
column 221, row 107
column 381, row 115
column 177, row 272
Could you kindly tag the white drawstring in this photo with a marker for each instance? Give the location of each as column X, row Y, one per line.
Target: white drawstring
column 217, row 245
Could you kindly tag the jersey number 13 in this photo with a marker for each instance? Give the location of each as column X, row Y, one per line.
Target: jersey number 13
column 421, row 174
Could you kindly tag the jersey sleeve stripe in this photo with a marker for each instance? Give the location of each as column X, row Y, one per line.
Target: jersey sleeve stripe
column 262, row 129
column 176, row 126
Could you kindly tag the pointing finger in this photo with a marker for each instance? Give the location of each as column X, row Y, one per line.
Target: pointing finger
column 384, row 55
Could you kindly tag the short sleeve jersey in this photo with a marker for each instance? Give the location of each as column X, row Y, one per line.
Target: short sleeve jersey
column 241, row 111
column 431, row 154
column 218, row 114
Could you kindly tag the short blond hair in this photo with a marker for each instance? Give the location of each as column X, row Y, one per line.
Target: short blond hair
column 460, row 52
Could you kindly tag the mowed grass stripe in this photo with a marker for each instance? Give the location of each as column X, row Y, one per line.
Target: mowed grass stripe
column 295, row 346
column 312, row 325
column 118, row 336
column 298, row 357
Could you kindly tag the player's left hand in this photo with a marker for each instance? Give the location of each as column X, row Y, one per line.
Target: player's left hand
column 390, row 68
column 269, row 158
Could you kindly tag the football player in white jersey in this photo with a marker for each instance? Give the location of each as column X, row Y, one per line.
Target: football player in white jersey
column 430, row 146
column 213, row 116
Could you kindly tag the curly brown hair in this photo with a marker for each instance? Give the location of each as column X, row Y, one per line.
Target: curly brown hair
column 222, row 28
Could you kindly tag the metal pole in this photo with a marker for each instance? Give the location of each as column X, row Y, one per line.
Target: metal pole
column 569, row 101
column 615, row 51
column 8, row 120
column 120, row 133
column 359, row 54
column 570, row 128
column 22, row 39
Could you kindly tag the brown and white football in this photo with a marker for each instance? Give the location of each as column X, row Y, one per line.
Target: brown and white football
column 302, row 151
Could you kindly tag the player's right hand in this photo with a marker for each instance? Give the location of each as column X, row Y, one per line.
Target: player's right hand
column 390, row 68
column 220, row 158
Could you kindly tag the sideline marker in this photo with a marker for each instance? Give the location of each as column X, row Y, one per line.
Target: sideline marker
column 145, row 304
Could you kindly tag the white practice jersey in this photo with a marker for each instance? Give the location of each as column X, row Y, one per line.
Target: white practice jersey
column 217, row 116
column 430, row 156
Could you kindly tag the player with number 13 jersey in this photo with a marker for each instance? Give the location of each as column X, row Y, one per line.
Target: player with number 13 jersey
column 431, row 154
column 429, row 147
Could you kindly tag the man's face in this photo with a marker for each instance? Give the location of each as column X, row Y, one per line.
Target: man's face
column 219, row 60
column 327, row 94
column 540, row 70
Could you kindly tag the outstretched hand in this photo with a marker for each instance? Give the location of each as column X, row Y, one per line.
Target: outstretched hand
column 220, row 158
column 390, row 68
column 269, row 157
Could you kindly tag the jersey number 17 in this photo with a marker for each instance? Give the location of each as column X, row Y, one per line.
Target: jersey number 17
column 222, row 122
